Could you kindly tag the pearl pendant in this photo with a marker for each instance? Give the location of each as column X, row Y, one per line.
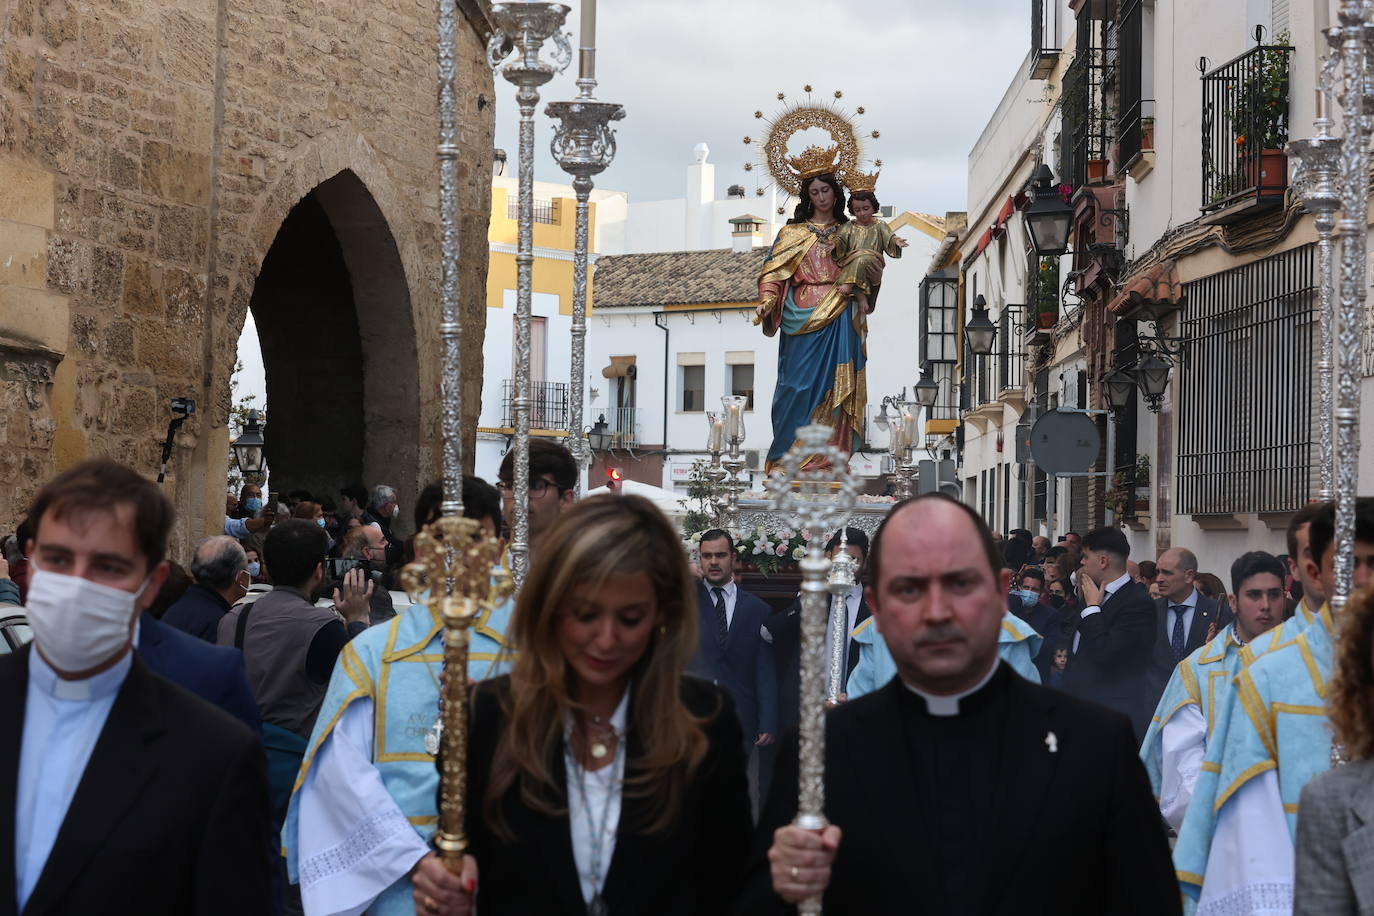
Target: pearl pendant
column 598, row 750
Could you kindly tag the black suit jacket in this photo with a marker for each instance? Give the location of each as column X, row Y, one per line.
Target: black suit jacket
column 784, row 628
column 1162, row 657
column 1084, row 810
column 696, row 867
column 170, row 816
column 1115, row 646
column 746, row 668
column 213, row 673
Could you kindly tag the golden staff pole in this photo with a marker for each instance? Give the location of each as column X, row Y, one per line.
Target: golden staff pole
column 458, row 564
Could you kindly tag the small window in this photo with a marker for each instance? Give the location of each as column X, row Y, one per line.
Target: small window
column 742, row 383
column 693, row 389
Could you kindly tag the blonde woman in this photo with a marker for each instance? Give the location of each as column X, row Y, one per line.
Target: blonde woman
column 601, row 780
column 1334, row 843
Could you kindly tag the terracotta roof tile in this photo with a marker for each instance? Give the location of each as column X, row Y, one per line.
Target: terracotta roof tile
column 677, row 278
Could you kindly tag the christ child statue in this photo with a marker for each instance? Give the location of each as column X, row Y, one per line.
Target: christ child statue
column 859, row 249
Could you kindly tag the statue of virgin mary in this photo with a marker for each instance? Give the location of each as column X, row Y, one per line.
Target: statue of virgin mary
column 822, row 353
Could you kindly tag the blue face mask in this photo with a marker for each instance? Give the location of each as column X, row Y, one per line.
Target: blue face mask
column 1027, row 596
column 320, row 522
column 253, row 569
column 252, row 504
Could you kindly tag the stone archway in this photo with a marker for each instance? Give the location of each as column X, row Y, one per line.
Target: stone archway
column 338, row 334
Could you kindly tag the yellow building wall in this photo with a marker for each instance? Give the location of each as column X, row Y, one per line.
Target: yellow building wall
column 554, row 277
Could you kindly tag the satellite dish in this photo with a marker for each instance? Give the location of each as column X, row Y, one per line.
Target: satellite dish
column 1065, row 443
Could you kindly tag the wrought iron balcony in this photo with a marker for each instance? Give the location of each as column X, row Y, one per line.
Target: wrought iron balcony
column 1244, row 130
column 548, row 404
column 623, row 425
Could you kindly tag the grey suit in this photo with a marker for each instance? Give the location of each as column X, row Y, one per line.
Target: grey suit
column 1335, row 855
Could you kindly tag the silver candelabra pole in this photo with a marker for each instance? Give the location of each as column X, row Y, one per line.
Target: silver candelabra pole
column 819, row 500
column 903, row 428
column 1317, row 179
column 522, row 27
column 842, row 579
column 584, row 145
column 1351, row 43
column 450, row 322
column 715, row 472
column 732, row 460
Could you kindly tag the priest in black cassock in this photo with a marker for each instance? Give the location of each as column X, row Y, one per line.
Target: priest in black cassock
column 958, row 787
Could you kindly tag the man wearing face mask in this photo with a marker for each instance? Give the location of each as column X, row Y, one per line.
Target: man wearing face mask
column 382, row 510
column 100, row 759
column 220, row 569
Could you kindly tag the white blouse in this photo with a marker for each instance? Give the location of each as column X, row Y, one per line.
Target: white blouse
column 594, row 803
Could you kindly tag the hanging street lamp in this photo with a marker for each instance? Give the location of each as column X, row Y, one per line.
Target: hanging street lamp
column 1048, row 218
column 248, row 447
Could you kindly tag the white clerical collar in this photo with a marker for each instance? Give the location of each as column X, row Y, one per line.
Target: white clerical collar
column 42, row 676
column 938, row 705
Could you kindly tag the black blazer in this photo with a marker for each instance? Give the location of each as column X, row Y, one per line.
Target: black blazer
column 1162, row 657
column 1084, row 813
column 746, row 668
column 1112, row 663
column 170, row 816
column 784, row 628
column 213, row 673
column 696, row 867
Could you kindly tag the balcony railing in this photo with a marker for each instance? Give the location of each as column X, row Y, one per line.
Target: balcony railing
column 1134, row 126
column 623, row 423
column 1088, row 105
column 1245, row 127
column 1011, row 360
column 548, row 404
column 1044, row 38
column 544, row 211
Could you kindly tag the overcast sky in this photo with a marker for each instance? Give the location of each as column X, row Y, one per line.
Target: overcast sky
column 929, row 74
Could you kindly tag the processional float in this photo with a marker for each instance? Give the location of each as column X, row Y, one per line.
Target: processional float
column 819, row 497
column 1332, row 176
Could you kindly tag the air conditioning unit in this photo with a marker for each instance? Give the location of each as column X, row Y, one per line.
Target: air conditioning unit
column 753, row 459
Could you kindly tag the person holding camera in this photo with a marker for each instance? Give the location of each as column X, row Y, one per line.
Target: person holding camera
column 365, row 549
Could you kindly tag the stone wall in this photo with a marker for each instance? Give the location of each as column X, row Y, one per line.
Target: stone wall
column 150, row 150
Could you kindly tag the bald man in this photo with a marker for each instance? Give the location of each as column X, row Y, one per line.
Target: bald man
column 958, row 786
column 1184, row 617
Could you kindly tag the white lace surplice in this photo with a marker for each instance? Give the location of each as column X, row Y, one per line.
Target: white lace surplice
column 1250, row 867
column 354, row 841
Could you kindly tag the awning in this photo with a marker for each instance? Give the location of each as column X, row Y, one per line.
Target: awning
column 619, row 368
column 1155, row 290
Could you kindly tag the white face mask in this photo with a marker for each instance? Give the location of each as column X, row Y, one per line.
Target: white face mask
column 79, row 624
column 395, row 509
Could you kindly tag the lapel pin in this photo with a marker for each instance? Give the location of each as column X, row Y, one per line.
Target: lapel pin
column 1052, row 742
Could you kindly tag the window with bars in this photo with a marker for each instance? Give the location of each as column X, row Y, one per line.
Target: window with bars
column 1250, row 454
column 1134, row 110
column 1088, row 103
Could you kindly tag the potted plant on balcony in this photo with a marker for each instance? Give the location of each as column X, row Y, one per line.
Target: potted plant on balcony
column 1047, row 293
column 1260, row 118
column 1142, row 484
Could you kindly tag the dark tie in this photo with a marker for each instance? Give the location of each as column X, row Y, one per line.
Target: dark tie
column 1177, row 640
column 722, row 623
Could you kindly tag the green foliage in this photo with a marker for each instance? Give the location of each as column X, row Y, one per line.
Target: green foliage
column 1259, row 113
column 1045, row 286
column 702, row 502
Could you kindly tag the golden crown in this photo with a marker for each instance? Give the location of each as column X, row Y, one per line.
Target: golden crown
column 815, row 161
column 858, row 181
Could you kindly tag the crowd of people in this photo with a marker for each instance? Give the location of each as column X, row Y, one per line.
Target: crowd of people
column 633, row 731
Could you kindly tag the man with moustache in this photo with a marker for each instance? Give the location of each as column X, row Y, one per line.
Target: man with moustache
column 958, row 785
